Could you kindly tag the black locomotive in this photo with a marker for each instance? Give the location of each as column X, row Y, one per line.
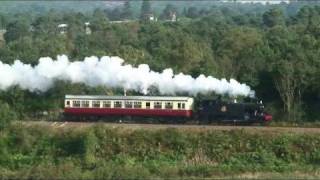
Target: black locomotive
column 216, row 110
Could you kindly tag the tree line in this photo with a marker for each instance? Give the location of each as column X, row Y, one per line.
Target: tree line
column 276, row 53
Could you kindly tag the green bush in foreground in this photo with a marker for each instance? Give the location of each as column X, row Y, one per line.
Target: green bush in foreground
column 6, row 115
column 101, row 152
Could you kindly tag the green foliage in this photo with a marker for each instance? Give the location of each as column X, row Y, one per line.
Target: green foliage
column 16, row 30
column 273, row 17
column 102, row 152
column 168, row 11
column 145, row 10
column 90, row 145
column 6, row 115
column 127, row 11
column 270, row 48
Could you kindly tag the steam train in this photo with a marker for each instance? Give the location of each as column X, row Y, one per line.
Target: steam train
column 174, row 108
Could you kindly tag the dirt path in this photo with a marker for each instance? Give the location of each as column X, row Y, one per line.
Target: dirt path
column 253, row 129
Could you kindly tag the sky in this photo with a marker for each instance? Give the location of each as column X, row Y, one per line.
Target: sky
column 261, row 1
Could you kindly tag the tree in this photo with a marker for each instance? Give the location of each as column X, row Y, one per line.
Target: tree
column 273, row 17
column 126, row 11
column 50, row 45
column 16, row 30
column 293, row 64
column 307, row 17
column 168, row 11
column 184, row 12
column 81, row 49
column 287, row 82
column 132, row 55
column 145, row 10
column 193, row 57
column 115, row 14
column 25, row 49
column 240, row 55
column 192, row 12
column 6, row 115
column 98, row 21
column 46, row 24
column 3, row 21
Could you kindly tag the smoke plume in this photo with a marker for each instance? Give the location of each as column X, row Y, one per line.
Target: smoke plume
column 112, row 72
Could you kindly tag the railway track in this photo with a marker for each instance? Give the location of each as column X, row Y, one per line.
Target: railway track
column 187, row 127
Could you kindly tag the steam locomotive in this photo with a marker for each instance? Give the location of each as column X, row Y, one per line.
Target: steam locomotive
column 204, row 111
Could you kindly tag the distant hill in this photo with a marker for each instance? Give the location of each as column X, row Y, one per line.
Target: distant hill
column 45, row 6
column 40, row 7
column 86, row 6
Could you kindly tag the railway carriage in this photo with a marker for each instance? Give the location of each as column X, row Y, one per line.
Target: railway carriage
column 128, row 106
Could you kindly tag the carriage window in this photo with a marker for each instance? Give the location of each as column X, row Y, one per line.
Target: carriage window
column 157, row 105
column 68, row 103
column 137, row 104
column 84, row 103
column 76, row 103
column 106, row 104
column 169, row 105
column 117, row 104
column 96, row 104
column 148, row 105
column 181, row 105
column 128, row 104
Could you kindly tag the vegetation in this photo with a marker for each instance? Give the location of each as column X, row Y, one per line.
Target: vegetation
column 103, row 153
column 272, row 48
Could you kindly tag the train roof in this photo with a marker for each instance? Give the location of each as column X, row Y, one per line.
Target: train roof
column 147, row 98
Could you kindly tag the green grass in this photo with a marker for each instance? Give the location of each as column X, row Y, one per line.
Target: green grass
column 102, row 152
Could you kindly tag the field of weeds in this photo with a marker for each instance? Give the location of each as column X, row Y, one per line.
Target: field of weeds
column 112, row 153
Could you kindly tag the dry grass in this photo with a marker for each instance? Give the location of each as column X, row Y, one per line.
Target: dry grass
column 199, row 158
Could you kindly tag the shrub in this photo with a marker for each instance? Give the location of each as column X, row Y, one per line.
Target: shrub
column 6, row 115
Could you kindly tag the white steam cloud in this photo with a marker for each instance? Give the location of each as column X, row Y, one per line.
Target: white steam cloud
column 112, row 72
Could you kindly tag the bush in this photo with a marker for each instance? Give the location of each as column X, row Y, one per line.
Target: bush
column 6, row 115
